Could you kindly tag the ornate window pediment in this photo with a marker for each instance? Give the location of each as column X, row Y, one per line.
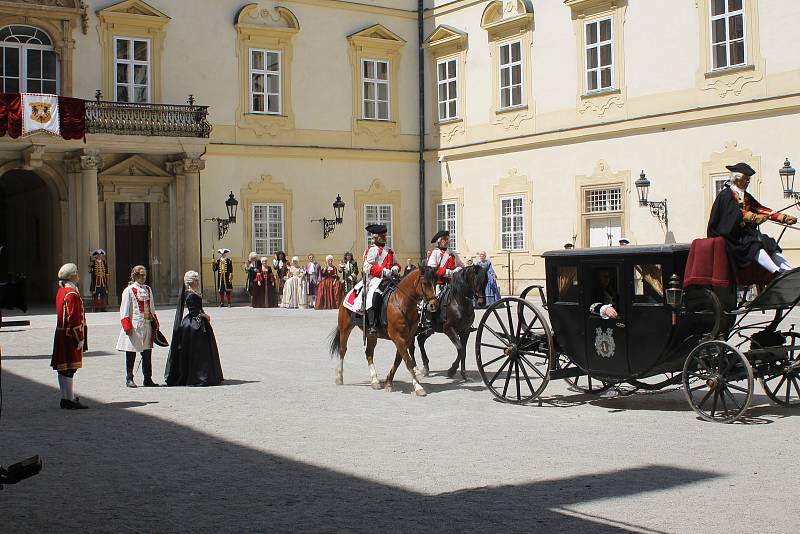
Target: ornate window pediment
column 135, row 165
column 130, row 11
column 503, row 17
column 377, row 36
column 446, row 37
column 585, row 8
column 253, row 20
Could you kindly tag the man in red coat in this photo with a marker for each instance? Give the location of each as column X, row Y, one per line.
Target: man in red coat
column 70, row 337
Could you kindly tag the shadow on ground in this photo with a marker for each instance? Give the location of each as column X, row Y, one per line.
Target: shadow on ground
column 113, row 468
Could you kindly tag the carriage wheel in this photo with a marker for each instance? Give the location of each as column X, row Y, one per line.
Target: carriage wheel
column 514, row 350
column 583, row 383
column 718, row 381
column 783, row 385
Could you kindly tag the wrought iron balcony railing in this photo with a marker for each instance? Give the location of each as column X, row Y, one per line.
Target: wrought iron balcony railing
column 127, row 118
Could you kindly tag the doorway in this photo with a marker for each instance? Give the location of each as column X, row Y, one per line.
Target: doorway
column 132, row 240
column 27, row 216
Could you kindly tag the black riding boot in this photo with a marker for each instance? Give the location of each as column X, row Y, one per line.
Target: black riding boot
column 426, row 321
column 147, row 369
column 130, row 360
column 372, row 327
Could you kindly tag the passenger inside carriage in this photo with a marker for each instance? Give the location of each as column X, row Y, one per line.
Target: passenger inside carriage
column 604, row 294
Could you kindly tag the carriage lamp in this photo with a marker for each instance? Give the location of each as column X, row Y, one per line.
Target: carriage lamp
column 657, row 209
column 674, row 296
column 329, row 225
column 787, row 179
column 231, row 205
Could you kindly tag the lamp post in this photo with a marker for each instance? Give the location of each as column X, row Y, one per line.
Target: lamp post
column 657, row 209
column 329, row 225
column 231, row 206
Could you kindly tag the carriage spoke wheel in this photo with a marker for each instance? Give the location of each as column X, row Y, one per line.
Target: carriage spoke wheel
column 718, row 381
column 584, row 383
column 513, row 350
column 782, row 384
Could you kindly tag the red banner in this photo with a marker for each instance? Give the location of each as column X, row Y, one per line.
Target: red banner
column 71, row 111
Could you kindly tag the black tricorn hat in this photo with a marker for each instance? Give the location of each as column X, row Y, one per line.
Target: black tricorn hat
column 160, row 339
column 376, row 229
column 440, row 234
column 741, row 167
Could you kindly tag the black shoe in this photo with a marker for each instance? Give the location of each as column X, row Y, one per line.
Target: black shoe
column 130, row 383
column 72, row 405
column 148, row 383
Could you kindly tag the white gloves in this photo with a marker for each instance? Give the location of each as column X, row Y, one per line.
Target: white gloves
column 450, row 272
column 387, row 272
column 80, row 345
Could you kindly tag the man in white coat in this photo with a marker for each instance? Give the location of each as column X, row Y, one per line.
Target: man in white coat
column 137, row 313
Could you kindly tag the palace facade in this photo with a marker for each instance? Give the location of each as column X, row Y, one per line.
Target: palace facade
column 539, row 116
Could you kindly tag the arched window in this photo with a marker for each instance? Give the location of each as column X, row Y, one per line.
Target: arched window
column 28, row 63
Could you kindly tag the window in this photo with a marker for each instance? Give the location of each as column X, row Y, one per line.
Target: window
column 603, row 200
column 648, row 287
column 267, row 228
column 375, row 83
column 265, row 81
column 446, row 220
column 512, row 223
column 378, row 214
column 131, row 70
column 727, row 33
column 599, row 55
column 719, row 181
column 28, row 63
column 511, row 74
column 448, row 92
column 567, row 283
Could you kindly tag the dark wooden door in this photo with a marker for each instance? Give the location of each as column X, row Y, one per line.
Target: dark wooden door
column 132, row 235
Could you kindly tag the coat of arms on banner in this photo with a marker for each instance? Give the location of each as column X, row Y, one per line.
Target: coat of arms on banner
column 41, row 112
column 604, row 343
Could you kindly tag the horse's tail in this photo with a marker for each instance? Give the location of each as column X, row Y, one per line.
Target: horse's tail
column 335, row 341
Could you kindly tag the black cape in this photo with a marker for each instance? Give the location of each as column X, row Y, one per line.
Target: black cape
column 743, row 239
column 193, row 356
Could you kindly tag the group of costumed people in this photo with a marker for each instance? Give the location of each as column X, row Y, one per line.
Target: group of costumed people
column 193, row 358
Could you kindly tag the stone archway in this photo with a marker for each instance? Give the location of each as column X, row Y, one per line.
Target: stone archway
column 30, row 217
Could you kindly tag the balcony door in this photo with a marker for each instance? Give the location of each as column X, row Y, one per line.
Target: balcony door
column 132, row 237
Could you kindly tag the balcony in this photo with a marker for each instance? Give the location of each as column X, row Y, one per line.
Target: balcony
column 127, row 118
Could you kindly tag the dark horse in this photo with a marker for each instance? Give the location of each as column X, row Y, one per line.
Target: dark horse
column 401, row 321
column 456, row 315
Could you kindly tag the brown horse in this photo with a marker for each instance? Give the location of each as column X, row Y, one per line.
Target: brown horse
column 402, row 320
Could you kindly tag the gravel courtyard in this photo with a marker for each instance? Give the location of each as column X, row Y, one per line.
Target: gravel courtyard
column 280, row 448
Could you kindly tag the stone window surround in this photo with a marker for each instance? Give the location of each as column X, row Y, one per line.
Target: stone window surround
column 602, row 178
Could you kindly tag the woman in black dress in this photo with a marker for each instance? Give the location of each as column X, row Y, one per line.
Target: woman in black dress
column 193, row 356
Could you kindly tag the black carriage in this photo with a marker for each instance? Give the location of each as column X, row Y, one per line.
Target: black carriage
column 712, row 340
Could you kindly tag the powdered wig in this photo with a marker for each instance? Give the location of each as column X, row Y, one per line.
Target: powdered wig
column 264, row 260
column 295, row 259
column 328, row 258
column 190, row 277
column 136, row 271
column 67, row 271
column 736, row 176
column 252, row 256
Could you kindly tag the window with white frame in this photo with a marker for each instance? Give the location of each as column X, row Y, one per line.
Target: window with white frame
column 131, row 69
column 511, row 74
column 375, row 89
column 512, row 223
column 719, row 181
column 603, row 200
column 727, row 33
column 599, row 55
column 602, row 216
column 446, row 220
column 28, row 63
column 268, row 228
column 447, row 72
column 378, row 214
column 265, row 81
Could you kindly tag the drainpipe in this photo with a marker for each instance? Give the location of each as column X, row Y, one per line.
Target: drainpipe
column 422, row 210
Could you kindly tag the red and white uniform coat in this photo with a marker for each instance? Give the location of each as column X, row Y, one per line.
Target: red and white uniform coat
column 376, row 259
column 445, row 262
column 137, row 311
column 70, row 330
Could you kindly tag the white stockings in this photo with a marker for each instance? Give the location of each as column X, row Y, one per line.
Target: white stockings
column 772, row 264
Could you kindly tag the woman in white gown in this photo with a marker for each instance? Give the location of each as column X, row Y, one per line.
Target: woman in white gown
column 294, row 292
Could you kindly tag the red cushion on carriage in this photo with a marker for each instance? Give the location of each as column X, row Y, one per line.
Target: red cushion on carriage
column 708, row 265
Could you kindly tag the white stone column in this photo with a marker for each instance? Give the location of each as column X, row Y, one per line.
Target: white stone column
column 88, row 162
column 186, row 170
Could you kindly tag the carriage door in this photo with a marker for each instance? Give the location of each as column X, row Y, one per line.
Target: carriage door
column 606, row 339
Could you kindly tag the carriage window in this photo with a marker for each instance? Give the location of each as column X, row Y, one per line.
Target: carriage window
column 648, row 285
column 605, row 287
column 568, row 283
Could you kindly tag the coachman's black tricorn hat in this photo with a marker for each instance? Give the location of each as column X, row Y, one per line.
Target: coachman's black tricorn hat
column 743, row 168
column 376, row 229
column 440, row 234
